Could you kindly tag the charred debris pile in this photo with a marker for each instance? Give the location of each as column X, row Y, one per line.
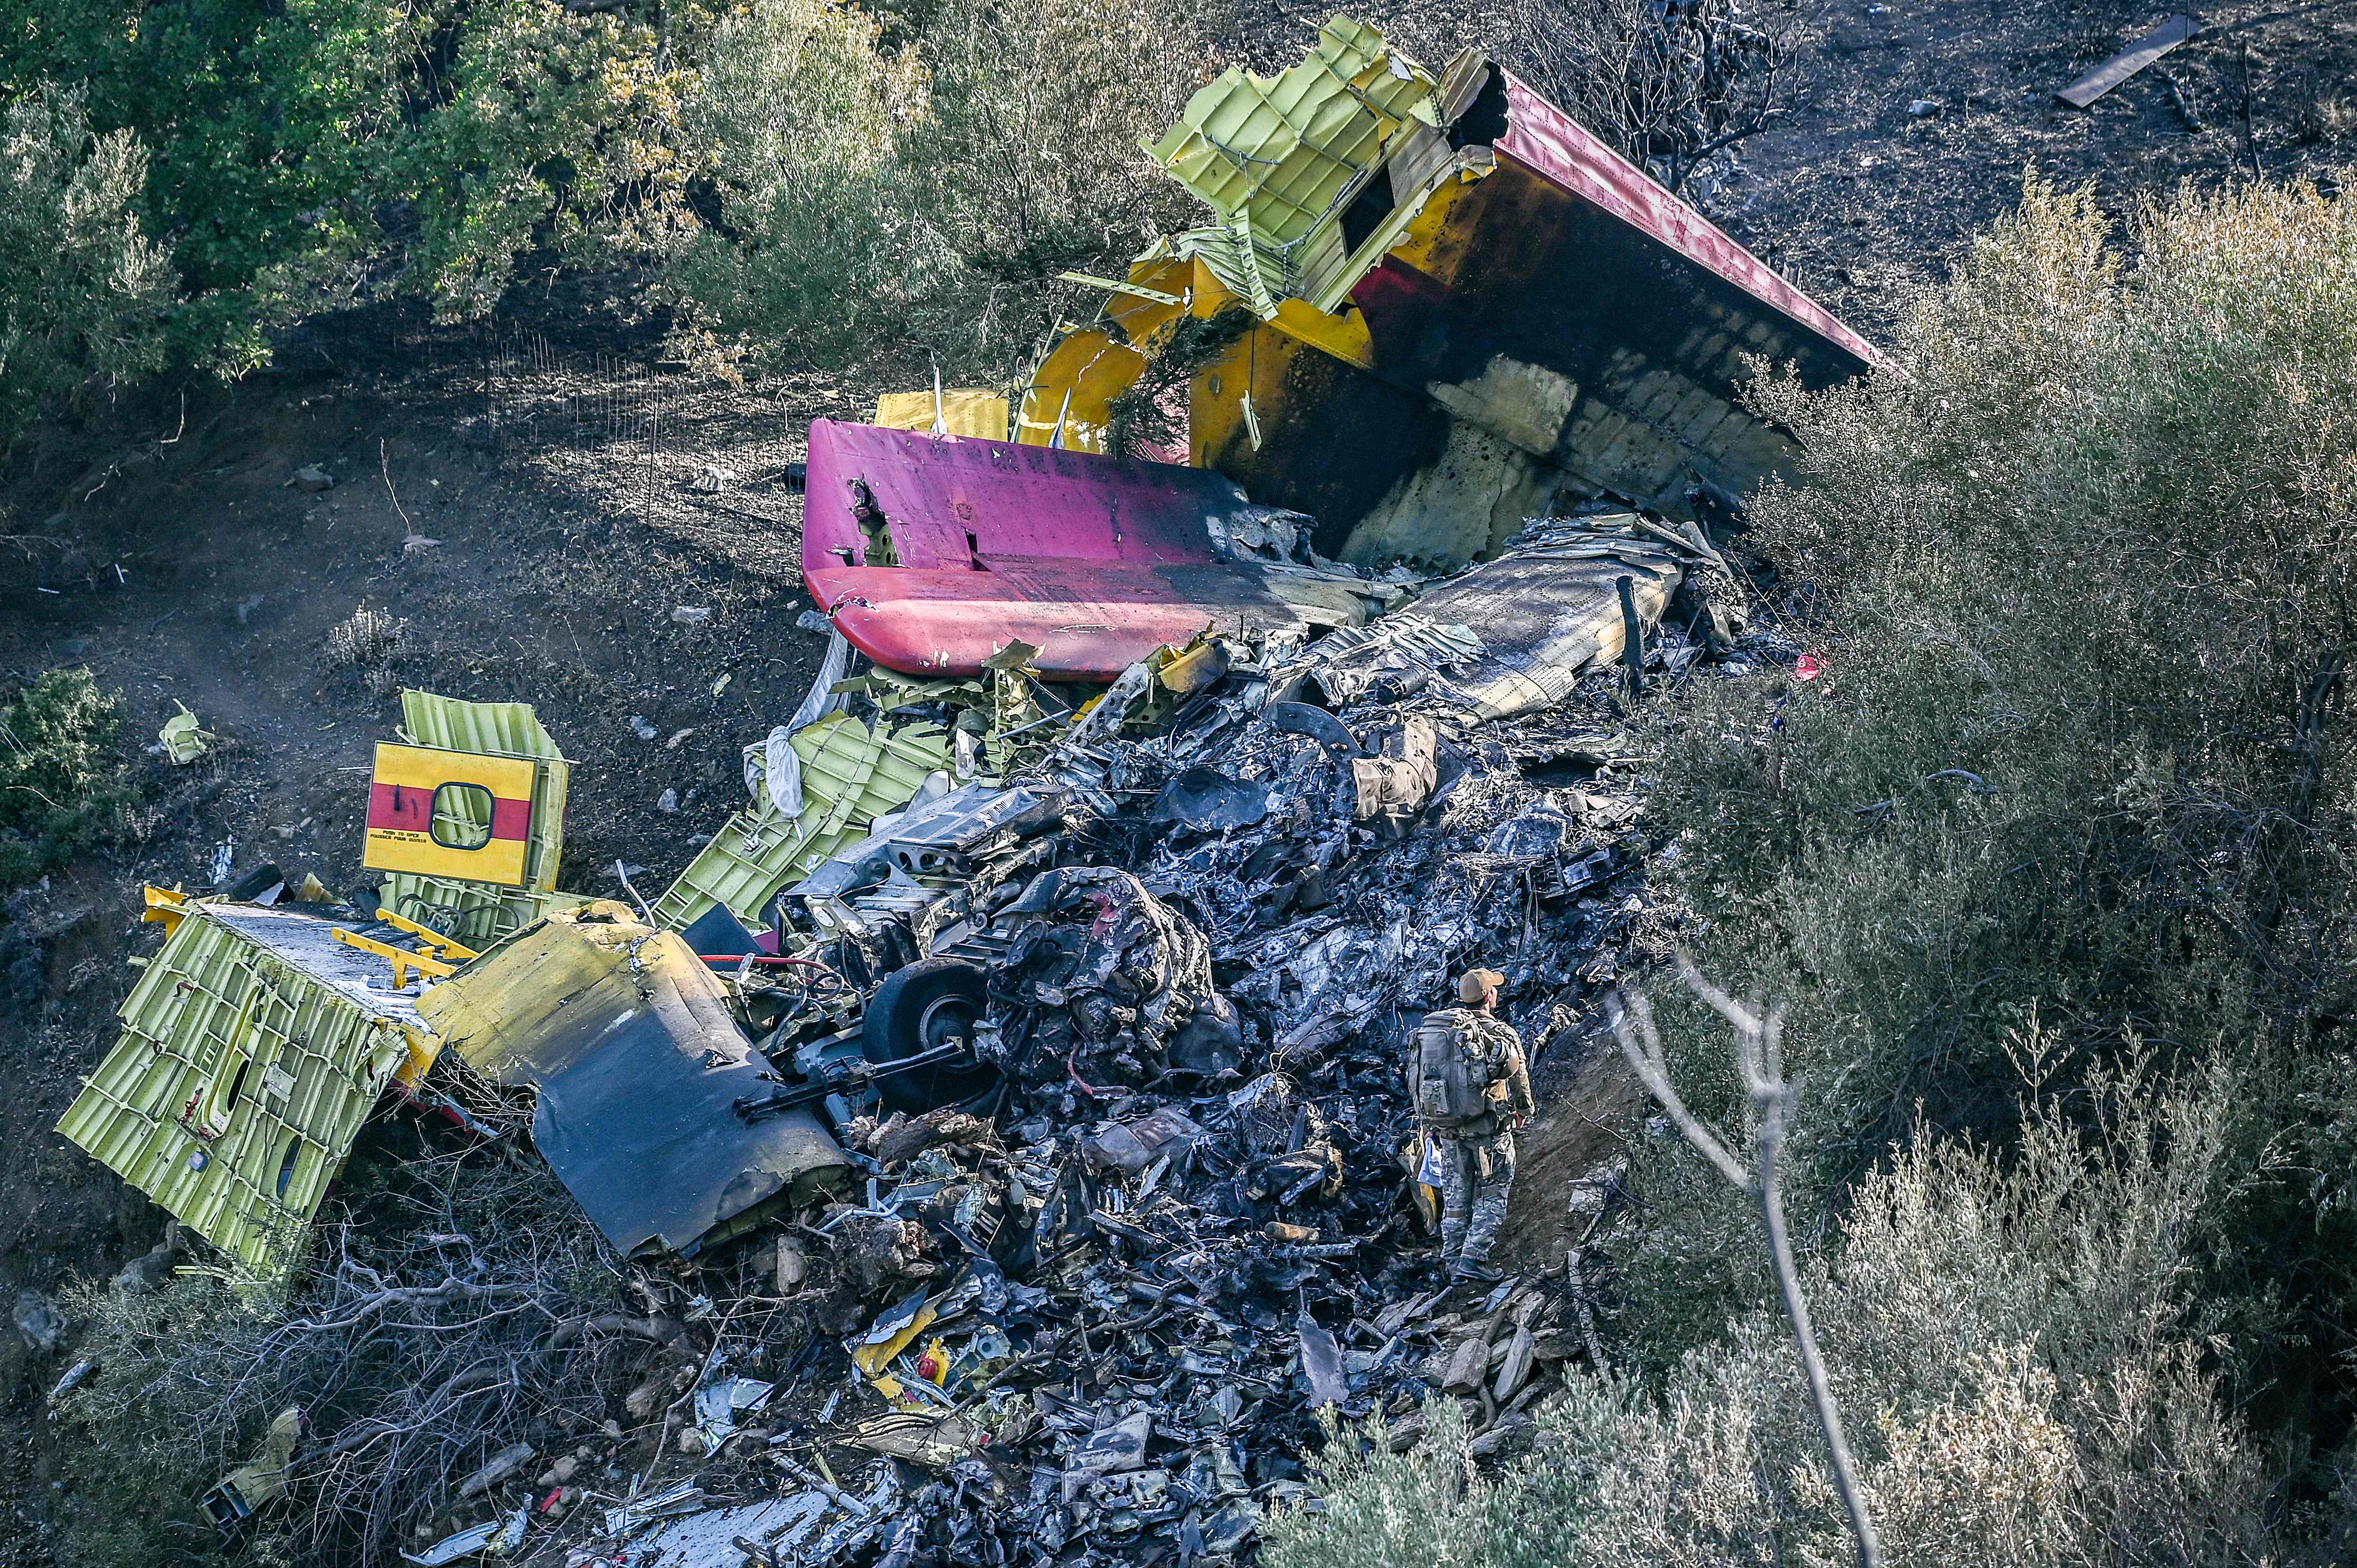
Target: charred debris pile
column 1037, row 1184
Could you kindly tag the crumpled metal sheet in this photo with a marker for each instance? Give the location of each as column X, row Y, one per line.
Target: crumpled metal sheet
column 628, row 1037
column 1549, row 613
column 1272, row 155
column 933, row 838
column 850, row 776
column 261, row 1017
column 1548, row 609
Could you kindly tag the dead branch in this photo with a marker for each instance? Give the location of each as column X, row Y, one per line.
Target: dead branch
column 1758, row 1038
column 1669, row 87
column 661, row 1330
column 450, row 1292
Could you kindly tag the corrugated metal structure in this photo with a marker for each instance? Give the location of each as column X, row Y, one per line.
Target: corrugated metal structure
column 253, row 1049
column 1272, row 155
column 850, row 777
column 474, row 910
column 1430, row 306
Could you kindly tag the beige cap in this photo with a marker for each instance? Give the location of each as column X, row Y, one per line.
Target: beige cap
column 1477, row 985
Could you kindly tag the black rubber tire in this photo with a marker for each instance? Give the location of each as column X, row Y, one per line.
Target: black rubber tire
column 929, row 997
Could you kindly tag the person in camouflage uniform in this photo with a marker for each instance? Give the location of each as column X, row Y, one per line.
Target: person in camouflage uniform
column 1476, row 1156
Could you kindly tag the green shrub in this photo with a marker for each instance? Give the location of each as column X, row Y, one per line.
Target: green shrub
column 874, row 197
column 549, row 127
column 2084, row 584
column 821, row 245
column 82, row 289
column 1032, row 148
column 812, row 188
column 63, row 786
column 2011, row 1335
column 261, row 120
column 294, row 154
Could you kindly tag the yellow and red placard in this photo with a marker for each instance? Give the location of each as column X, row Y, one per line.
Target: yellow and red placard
column 483, row 801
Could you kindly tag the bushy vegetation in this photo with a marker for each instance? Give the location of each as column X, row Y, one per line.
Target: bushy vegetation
column 865, row 187
column 820, row 183
column 63, row 786
column 2054, row 868
column 2010, row 1332
column 457, row 1304
column 83, row 290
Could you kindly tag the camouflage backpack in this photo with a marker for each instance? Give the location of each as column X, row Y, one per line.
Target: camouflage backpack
column 1446, row 1077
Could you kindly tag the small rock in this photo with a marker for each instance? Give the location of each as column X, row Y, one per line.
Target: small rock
column 611, row 1428
column 668, row 801
column 74, row 1377
column 792, row 1265
column 564, row 1468
column 643, row 730
column 711, row 479
column 152, row 1268
column 412, row 544
column 645, row 1399
column 41, row 1322
column 497, row 1468
column 1922, row 108
column 314, row 479
column 691, row 615
column 678, row 735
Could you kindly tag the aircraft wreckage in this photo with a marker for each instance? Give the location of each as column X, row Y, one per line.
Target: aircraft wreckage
column 1038, row 1017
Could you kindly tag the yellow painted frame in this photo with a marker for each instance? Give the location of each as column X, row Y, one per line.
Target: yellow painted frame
column 501, row 861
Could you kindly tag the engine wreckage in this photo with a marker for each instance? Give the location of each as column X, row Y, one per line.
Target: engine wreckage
column 1037, row 1023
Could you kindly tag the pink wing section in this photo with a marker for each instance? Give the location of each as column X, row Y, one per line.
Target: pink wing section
column 1094, row 560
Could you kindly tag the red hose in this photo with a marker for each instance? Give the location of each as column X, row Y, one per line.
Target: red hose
column 1070, row 1066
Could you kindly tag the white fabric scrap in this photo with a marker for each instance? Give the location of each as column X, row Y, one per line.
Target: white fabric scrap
column 773, row 763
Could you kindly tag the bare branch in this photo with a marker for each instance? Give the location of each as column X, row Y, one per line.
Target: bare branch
column 1654, row 1074
column 1758, row 1058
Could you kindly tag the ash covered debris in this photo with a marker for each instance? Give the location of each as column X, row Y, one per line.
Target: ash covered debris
column 1093, row 1299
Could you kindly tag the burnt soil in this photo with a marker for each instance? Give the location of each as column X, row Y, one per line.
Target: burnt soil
column 555, row 457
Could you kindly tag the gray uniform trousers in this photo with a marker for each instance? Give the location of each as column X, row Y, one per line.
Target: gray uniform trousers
column 1476, row 1174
